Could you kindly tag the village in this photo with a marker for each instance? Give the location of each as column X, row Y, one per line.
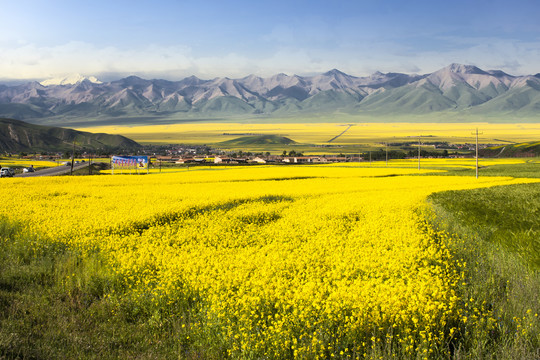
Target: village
column 194, row 155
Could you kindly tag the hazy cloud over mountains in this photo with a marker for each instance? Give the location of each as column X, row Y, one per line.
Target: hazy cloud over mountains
column 34, row 62
column 175, row 39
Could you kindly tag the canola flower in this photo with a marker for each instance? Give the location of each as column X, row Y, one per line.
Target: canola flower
column 319, row 133
column 276, row 262
column 8, row 161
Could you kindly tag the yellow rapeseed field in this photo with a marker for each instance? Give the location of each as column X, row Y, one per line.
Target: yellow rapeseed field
column 7, row 162
column 286, row 262
column 321, row 133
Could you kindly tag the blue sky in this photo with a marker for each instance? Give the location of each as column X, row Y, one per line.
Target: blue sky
column 175, row 39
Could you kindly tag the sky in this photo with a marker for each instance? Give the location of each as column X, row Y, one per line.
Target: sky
column 176, row 39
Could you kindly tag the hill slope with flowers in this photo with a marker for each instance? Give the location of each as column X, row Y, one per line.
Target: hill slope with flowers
column 279, row 262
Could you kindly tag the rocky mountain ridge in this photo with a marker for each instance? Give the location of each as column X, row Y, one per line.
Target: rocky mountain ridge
column 461, row 88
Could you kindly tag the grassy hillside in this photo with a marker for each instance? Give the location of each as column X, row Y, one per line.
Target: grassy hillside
column 21, row 111
column 329, row 101
column 531, row 148
column 18, row 136
column 506, row 216
column 410, row 99
column 259, row 140
column 522, row 100
column 498, row 232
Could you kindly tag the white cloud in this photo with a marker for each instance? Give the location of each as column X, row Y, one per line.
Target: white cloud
column 514, row 57
column 34, row 62
column 29, row 61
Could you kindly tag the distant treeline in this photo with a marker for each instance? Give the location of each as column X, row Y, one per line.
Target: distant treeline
column 399, row 154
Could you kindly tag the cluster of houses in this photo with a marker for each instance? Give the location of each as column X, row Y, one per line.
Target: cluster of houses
column 255, row 159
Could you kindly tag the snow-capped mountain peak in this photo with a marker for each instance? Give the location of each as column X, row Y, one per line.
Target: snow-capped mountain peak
column 70, row 80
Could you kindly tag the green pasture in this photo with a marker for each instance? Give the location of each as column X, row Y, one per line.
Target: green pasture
column 497, row 236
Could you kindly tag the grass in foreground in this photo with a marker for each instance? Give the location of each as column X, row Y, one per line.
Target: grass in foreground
column 499, row 249
column 56, row 303
column 528, row 169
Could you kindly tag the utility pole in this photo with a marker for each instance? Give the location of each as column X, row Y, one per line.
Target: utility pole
column 386, row 145
column 419, row 136
column 72, row 158
column 476, row 152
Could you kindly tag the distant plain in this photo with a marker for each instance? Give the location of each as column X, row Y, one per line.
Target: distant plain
column 314, row 137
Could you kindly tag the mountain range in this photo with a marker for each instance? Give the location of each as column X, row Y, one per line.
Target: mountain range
column 463, row 89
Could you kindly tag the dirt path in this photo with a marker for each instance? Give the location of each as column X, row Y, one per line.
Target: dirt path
column 343, row 132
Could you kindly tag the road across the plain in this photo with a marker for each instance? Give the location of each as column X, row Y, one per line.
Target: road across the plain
column 52, row 171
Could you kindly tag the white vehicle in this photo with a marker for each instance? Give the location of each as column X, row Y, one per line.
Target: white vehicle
column 28, row 169
column 6, row 172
